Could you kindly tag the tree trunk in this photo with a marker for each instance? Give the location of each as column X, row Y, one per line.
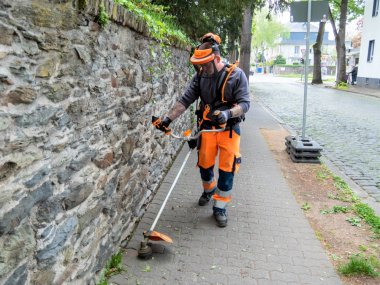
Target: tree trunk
column 245, row 44
column 340, row 38
column 232, row 50
column 317, row 76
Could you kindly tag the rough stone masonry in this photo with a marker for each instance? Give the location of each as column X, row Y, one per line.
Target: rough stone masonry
column 79, row 159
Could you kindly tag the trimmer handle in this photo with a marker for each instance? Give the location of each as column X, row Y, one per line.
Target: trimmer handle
column 161, row 125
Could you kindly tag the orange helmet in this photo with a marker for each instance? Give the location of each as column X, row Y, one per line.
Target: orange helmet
column 206, row 55
column 210, row 37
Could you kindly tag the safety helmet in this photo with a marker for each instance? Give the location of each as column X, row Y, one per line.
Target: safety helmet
column 206, row 55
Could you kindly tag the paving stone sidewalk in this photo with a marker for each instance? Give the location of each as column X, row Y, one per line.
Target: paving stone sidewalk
column 267, row 241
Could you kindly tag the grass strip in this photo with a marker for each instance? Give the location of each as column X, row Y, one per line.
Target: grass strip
column 361, row 265
column 369, row 216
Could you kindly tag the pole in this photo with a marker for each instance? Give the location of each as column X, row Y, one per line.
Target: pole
column 170, row 191
column 306, row 68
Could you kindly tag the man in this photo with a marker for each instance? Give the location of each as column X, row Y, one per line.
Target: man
column 354, row 74
column 224, row 98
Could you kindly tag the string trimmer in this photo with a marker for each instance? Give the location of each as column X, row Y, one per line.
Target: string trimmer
column 145, row 250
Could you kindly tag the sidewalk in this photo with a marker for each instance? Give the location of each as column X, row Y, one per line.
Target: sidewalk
column 267, row 241
column 356, row 89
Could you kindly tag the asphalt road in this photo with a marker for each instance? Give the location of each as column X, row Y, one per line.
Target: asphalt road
column 346, row 124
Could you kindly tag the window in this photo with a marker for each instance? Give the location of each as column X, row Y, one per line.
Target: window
column 375, row 9
column 296, row 49
column 371, row 48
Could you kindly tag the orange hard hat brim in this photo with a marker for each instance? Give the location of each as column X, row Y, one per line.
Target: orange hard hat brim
column 202, row 56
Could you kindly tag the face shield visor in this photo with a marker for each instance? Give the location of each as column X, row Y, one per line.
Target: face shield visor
column 203, row 58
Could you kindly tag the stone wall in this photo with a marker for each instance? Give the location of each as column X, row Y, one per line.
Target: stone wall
column 79, row 159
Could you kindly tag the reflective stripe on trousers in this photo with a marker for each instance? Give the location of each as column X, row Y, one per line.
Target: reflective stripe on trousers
column 221, row 198
column 209, row 186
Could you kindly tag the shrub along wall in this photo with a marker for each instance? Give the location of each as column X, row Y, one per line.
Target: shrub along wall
column 79, row 159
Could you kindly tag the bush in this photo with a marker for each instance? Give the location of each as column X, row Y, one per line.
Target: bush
column 280, row 60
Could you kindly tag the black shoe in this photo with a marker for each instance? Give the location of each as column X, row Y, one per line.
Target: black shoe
column 205, row 198
column 220, row 216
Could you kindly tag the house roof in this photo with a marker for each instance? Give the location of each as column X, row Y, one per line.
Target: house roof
column 302, row 27
column 313, row 38
column 298, row 33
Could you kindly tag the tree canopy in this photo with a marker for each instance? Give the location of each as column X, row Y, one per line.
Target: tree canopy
column 266, row 32
column 223, row 17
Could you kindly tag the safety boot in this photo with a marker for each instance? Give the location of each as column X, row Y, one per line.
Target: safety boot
column 205, row 198
column 220, row 216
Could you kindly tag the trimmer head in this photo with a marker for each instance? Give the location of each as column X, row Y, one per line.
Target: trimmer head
column 145, row 251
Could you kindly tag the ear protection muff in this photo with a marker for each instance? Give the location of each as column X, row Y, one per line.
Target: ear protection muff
column 206, row 55
column 213, row 39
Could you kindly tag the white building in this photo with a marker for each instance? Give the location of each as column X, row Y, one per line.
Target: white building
column 369, row 62
column 294, row 47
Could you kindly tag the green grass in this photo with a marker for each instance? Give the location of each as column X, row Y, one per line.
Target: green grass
column 306, row 206
column 354, row 221
column 342, row 86
column 363, row 211
column 336, row 210
column 102, row 17
column 369, row 216
column 363, row 248
column 113, row 267
column 361, row 265
column 344, row 191
column 161, row 25
column 323, row 173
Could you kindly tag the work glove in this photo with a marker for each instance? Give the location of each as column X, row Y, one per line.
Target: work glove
column 162, row 125
column 221, row 117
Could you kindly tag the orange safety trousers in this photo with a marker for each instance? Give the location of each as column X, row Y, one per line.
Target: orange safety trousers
column 229, row 148
column 227, row 143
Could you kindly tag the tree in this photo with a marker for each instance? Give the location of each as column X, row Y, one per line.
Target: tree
column 267, row 32
column 246, row 35
column 223, row 17
column 196, row 18
column 339, row 11
column 317, row 76
column 340, row 37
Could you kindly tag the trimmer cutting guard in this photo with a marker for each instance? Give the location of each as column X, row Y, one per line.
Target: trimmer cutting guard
column 156, row 236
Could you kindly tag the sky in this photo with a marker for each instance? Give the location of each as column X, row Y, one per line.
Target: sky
column 350, row 28
column 285, row 19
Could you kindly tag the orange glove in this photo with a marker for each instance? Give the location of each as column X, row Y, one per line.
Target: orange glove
column 162, row 125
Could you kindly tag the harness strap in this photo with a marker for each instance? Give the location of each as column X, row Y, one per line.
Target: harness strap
column 218, row 101
column 229, row 70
